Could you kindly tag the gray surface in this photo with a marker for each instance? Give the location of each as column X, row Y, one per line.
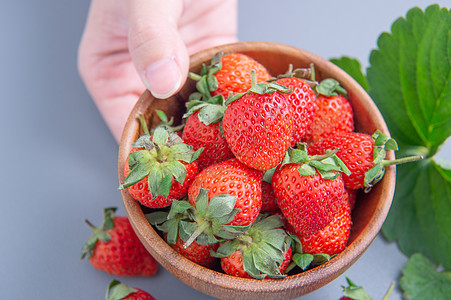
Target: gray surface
column 59, row 159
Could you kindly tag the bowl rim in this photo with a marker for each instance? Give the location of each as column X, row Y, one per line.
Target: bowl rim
column 190, row 272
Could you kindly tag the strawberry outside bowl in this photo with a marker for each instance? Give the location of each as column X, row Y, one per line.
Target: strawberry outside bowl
column 367, row 218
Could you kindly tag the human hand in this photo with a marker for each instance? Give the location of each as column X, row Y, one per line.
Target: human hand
column 131, row 45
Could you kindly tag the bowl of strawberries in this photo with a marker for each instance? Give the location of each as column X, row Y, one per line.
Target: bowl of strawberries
column 266, row 176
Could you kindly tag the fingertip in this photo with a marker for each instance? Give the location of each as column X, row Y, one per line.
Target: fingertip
column 163, row 77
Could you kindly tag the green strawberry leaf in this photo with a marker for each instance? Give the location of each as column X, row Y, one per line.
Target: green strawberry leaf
column 421, row 280
column 99, row 234
column 320, row 258
column 352, row 67
column 221, row 205
column 269, row 267
column 157, row 217
column 144, row 141
column 419, row 217
column 267, row 223
column 178, row 207
column 177, row 169
column 226, row 249
column 306, row 170
column 409, row 79
column 163, row 117
column 354, row 291
column 210, row 114
column 117, row 291
column 303, row 261
column 275, row 238
column 330, row 87
column 249, row 265
column 202, row 201
column 160, row 136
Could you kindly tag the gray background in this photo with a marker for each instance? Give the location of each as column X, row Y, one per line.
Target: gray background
column 59, row 159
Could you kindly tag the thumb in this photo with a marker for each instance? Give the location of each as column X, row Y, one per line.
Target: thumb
column 156, row 47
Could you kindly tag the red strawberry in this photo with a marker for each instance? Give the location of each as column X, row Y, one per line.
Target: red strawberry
column 363, row 154
column 209, row 137
column 333, row 238
column 269, row 200
column 233, row 178
column 258, row 126
column 233, row 264
column 334, row 114
column 356, row 151
column 140, row 190
column 263, row 250
column 303, row 101
column 120, row 291
column 159, row 168
column 352, row 197
column 227, row 74
column 309, row 190
column 114, row 248
column 235, row 74
column 199, row 254
column 196, row 231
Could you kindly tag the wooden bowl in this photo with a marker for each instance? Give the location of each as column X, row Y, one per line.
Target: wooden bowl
column 368, row 216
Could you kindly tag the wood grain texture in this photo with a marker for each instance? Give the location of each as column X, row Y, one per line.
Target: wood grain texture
column 368, row 215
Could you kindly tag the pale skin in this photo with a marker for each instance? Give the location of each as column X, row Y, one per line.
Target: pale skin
column 131, row 45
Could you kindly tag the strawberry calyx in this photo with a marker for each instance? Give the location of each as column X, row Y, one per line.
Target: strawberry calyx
column 307, row 74
column 328, row 165
column 353, row 291
column 304, row 260
column 117, row 290
column 383, row 143
column 206, row 82
column 211, row 111
column 211, row 108
column 262, row 245
column 259, row 88
column 206, row 223
column 159, row 156
column 99, row 234
column 330, row 87
column 166, row 122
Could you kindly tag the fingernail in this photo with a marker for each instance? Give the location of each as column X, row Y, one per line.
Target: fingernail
column 163, row 78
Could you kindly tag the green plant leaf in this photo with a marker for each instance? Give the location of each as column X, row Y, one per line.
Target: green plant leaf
column 419, row 219
column 410, row 78
column 117, row 290
column 210, row 114
column 352, row 67
column 267, row 266
column 354, row 291
column 421, row 280
column 303, row 260
column 139, row 172
column 221, row 205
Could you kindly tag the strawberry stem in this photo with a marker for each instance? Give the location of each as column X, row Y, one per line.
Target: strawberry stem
column 90, row 225
column 323, row 156
column 194, row 76
column 200, row 229
column 312, row 72
column 160, row 156
column 253, row 78
column 390, row 289
column 402, row 160
column 143, row 123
